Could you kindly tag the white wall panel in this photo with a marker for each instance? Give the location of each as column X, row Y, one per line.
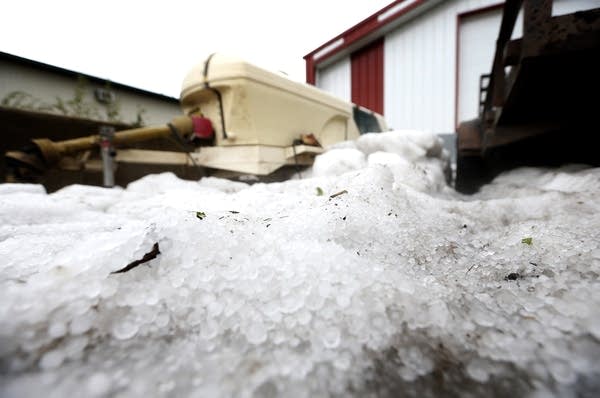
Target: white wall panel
column 476, row 38
column 335, row 79
column 420, row 68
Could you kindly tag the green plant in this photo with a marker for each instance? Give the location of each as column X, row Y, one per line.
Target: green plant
column 139, row 121
column 113, row 107
column 60, row 106
column 21, row 100
column 78, row 106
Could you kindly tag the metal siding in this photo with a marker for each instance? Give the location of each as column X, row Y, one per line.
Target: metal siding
column 335, row 79
column 367, row 76
column 475, row 58
column 420, row 69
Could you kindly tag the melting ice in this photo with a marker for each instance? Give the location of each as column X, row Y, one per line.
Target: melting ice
column 370, row 278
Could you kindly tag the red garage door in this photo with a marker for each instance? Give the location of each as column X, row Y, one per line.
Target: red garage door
column 367, row 76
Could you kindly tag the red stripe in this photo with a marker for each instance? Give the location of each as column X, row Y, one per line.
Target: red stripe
column 367, row 76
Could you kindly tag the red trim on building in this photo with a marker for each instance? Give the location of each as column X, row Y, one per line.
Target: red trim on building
column 359, row 31
column 460, row 16
column 310, row 71
column 367, row 76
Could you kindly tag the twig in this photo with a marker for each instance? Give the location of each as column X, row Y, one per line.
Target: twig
column 338, row 194
column 147, row 257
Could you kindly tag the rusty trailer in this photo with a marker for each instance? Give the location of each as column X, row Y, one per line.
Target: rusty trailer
column 539, row 104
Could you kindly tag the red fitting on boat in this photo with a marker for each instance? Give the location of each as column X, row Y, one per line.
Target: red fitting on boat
column 202, row 128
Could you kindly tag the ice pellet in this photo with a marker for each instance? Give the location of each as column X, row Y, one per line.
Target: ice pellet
column 383, row 281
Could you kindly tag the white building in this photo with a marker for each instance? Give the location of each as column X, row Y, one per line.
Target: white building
column 418, row 62
column 39, row 87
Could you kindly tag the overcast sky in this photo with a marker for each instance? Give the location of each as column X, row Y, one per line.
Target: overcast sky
column 152, row 44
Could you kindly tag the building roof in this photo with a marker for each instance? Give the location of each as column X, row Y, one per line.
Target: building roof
column 69, row 73
column 364, row 32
